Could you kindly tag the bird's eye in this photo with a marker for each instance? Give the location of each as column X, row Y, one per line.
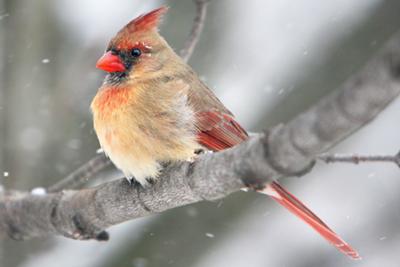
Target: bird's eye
column 136, row 52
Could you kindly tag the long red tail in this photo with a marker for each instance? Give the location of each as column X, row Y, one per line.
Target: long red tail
column 218, row 131
column 286, row 199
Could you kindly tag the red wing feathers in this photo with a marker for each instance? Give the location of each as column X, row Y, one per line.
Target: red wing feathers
column 218, row 131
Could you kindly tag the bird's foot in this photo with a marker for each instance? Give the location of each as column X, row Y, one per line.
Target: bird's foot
column 132, row 181
column 136, row 184
column 202, row 151
column 150, row 181
column 197, row 153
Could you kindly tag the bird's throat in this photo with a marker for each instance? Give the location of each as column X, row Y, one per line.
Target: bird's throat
column 116, row 78
column 109, row 99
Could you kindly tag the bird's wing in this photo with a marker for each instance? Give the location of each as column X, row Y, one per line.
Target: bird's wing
column 215, row 124
column 218, row 131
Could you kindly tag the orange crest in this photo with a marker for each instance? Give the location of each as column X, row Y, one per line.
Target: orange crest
column 146, row 21
column 132, row 34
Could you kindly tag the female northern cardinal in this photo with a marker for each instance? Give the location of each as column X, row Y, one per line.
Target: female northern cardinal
column 153, row 108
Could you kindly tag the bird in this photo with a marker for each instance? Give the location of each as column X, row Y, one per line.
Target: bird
column 152, row 108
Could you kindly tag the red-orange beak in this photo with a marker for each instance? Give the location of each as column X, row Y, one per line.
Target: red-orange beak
column 110, row 63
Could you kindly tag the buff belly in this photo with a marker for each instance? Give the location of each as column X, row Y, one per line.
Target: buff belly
column 138, row 136
column 138, row 155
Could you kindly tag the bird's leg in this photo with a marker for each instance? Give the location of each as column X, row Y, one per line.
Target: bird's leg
column 150, row 180
column 132, row 181
column 197, row 153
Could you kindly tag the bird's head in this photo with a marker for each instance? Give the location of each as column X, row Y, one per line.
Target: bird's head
column 137, row 51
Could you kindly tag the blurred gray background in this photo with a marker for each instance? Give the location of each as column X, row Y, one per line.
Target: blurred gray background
column 267, row 61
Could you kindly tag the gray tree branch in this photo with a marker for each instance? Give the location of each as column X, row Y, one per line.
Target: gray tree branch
column 284, row 150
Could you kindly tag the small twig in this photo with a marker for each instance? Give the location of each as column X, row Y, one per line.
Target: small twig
column 198, row 24
column 356, row 159
column 81, row 176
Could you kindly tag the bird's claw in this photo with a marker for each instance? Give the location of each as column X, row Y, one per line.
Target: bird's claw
column 132, row 181
column 199, row 151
